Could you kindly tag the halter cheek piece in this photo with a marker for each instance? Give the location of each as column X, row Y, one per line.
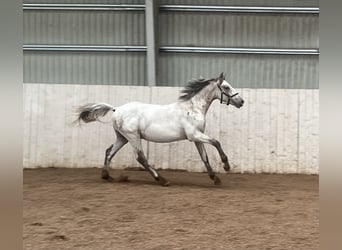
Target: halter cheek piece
column 229, row 96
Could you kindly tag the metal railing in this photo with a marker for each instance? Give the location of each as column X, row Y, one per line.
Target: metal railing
column 92, row 7
column 84, row 48
column 170, row 49
column 173, row 49
column 274, row 51
column 187, row 8
column 240, row 9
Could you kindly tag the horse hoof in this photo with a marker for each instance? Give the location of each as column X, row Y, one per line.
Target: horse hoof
column 226, row 167
column 107, row 177
column 217, row 181
column 163, row 182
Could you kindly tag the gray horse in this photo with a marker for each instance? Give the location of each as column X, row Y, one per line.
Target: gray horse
column 183, row 120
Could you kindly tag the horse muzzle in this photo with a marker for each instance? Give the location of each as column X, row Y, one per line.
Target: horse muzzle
column 234, row 99
column 239, row 103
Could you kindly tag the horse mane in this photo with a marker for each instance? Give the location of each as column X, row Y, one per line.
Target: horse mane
column 193, row 88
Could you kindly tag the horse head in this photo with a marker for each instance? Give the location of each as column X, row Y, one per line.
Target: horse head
column 228, row 94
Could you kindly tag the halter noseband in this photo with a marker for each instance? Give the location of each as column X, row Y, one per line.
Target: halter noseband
column 229, row 96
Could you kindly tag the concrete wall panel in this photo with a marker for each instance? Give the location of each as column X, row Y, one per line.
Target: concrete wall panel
column 275, row 132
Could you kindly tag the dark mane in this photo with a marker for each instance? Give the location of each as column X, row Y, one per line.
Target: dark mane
column 193, row 87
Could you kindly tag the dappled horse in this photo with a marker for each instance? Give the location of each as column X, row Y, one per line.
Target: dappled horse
column 182, row 120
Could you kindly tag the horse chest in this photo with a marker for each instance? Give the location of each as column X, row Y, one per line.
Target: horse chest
column 197, row 120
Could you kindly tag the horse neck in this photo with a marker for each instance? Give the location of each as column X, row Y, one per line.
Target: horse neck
column 203, row 99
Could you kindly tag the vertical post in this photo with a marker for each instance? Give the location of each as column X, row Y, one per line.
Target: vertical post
column 151, row 11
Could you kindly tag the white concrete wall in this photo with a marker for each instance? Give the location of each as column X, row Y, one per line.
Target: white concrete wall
column 275, row 132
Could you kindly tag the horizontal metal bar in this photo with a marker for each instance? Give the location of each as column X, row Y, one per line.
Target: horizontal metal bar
column 192, row 8
column 173, row 49
column 127, row 7
column 240, row 50
column 243, row 9
column 99, row 48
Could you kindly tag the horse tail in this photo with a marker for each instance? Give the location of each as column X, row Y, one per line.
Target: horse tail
column 92, row 111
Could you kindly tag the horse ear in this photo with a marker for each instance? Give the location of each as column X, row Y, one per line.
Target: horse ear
column 221, row 78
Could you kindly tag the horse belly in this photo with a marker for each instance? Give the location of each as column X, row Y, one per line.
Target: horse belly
column 163, row 133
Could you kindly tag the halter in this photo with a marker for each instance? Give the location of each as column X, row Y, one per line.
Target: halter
column 224, row 93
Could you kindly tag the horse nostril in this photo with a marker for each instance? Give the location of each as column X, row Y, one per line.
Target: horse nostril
column 242, row 102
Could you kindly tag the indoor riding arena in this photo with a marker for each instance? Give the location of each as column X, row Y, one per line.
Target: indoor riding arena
column 151, row 52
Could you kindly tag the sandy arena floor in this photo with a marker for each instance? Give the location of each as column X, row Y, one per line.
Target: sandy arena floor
column 75, row 209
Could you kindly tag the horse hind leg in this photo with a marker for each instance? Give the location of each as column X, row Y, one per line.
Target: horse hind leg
column 105, row 170
column 110, row 153
column 135, row 141
column 143, row 161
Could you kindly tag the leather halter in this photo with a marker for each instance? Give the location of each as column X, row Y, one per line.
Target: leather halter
column 224, row 93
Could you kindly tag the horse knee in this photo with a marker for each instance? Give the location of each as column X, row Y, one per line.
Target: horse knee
column 215, row 143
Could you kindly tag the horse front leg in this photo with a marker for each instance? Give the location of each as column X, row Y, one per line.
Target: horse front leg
column 202, row 152
column 223, row 156
column 198, row 136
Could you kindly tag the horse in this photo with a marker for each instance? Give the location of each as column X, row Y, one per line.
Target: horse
column 182, row 120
